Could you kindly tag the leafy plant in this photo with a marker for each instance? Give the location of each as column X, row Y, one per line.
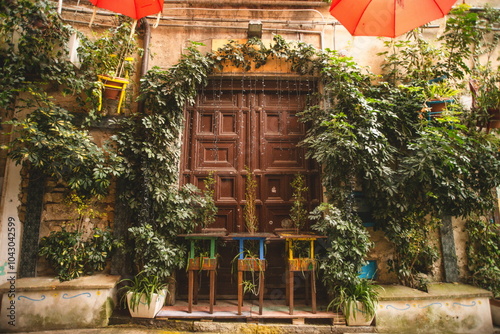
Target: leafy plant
column 415, row 254
column 298, row 211
column 35, row 52
column 348, row 296
column 143, row 286
column 441, row 91
column 483, row 254
column 346, row 248
column 49, row 141
column 210, row 209
column 110, row 53
column 250, row 209
column 252, row 262
column 72, row 255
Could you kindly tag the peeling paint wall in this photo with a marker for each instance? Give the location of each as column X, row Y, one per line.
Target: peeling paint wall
column 185, row 21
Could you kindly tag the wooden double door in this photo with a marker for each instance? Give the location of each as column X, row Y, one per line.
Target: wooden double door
column 253, row 125
column 239, row 125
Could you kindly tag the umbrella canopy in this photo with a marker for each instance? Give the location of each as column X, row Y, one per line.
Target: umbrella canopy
column 387, row 18
column 135, row 9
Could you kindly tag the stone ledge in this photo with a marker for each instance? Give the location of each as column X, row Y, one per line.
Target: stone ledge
column 93, row 282
column 436, row 291
column 44, row 303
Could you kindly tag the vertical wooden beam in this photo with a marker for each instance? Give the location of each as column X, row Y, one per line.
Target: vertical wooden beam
column 261, row 291
column 212, row 290
column 190, row 290
column 290, row 290
column 240, row 291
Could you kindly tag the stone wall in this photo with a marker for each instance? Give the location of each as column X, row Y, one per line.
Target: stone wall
column 209, row 25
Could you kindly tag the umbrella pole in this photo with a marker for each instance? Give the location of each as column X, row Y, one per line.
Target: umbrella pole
column 132, row 30
column 93, row 16
column 157, row 20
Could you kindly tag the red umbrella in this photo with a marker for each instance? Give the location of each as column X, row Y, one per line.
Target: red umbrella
column 387, row 18
column 135, row 9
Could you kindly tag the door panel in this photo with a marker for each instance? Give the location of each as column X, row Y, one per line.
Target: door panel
column 232, row 128
column 237, row 124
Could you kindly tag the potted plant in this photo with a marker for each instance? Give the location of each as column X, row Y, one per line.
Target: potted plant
column 486, row 97
column 302, row 260
column 357, row 300
column 298, row 211
column 109, row 57
column 250, row 262
column 145, row 295
column 250, row 210
column 439, row 96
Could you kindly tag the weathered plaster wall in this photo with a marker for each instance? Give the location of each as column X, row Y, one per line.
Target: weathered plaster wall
column 183, row 22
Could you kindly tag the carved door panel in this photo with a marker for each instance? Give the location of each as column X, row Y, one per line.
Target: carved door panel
column 236, row 125
column 230, row 129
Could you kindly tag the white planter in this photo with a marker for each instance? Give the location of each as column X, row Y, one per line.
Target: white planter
column 358, row 316
column 143, row 310
column 495, row 311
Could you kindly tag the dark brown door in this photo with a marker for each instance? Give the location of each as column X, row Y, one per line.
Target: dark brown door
column 239, row 124
column 234, row 126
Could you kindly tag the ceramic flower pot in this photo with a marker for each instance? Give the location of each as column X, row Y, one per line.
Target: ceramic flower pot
column 143, row 310
column 359, row 317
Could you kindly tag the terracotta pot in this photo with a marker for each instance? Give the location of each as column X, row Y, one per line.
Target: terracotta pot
column 111, row 93
column 113, row 86
column 437, row 107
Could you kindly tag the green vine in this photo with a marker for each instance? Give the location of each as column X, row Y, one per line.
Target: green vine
column 483, row 248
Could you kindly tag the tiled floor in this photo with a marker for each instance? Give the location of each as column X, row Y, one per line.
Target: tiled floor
column 228, row 309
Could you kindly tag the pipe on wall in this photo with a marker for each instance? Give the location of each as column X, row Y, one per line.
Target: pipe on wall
column 145, row 57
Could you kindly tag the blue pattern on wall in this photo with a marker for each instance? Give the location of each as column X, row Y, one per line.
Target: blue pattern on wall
column 34, row 300
column 65, row 296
